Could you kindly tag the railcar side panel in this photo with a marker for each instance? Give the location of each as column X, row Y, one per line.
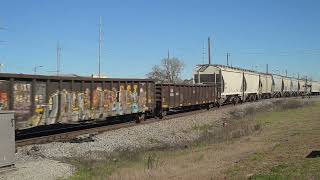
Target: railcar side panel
column 266, row 82
column 179, row 96
column 302, row 84
column 231, row 82
column 295, row 85
column 286, row 84
column 252, row 81
column 278, row 84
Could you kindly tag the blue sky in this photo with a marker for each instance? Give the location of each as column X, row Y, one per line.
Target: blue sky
column 137, row 34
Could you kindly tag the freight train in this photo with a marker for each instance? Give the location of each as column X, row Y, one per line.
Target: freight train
column 39, row 100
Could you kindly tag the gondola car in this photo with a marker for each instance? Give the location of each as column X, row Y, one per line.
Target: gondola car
column 44, row 100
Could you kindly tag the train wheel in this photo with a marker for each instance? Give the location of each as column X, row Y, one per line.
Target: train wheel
column 162, row 114
column 238, row 100
column 140, row 118
column 252, row 98
column 234, row 101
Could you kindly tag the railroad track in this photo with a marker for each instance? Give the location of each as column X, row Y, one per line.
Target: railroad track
column 66, row 135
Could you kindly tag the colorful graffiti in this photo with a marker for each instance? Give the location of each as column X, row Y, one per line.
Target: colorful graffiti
column 67, row 107
column 22, row 102
column 39, row 99
column 22, row 96
column 142, row 100
column 3, row 101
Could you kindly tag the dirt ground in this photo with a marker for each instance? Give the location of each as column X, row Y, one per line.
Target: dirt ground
column 277, row 150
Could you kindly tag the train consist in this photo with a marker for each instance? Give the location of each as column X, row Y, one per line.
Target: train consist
column 241, row 85
column 43, row 100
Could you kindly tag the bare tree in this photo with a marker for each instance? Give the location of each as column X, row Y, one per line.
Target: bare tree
column 168, row 71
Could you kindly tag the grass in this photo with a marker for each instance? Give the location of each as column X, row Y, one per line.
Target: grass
column 282, row 136
column 294, row 133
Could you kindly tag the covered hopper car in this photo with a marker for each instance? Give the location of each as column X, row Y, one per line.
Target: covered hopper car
column 237, row 85
column 242, row 85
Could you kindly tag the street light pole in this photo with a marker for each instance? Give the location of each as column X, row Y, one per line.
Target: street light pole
column 35, row 69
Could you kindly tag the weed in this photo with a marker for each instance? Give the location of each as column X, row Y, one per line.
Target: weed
column 256, row 157
column 152, row 161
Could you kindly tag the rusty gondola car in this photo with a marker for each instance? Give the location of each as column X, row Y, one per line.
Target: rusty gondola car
column 184, row 97
column 42, row 100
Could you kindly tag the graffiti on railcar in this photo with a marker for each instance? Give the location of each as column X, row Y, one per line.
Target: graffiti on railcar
column 123, row 100
column 22, row 98
column 110, row 102
column 142, row 99
column 53, row 107
column 67, row 106
column 41, row 110
column 3, row 100
column 107, row 101
column 67, row 113
column 134, row 100
column 97, row 102
column 116, row 108
column 22, row 102
column 83, row 100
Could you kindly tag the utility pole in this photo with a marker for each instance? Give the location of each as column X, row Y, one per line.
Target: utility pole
column 267, row 68
column 209, row 50
column 100, row 45
column 168, row 54
column 228, row 55
column 203, row 52
column 58, row 58
column 286, row 73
